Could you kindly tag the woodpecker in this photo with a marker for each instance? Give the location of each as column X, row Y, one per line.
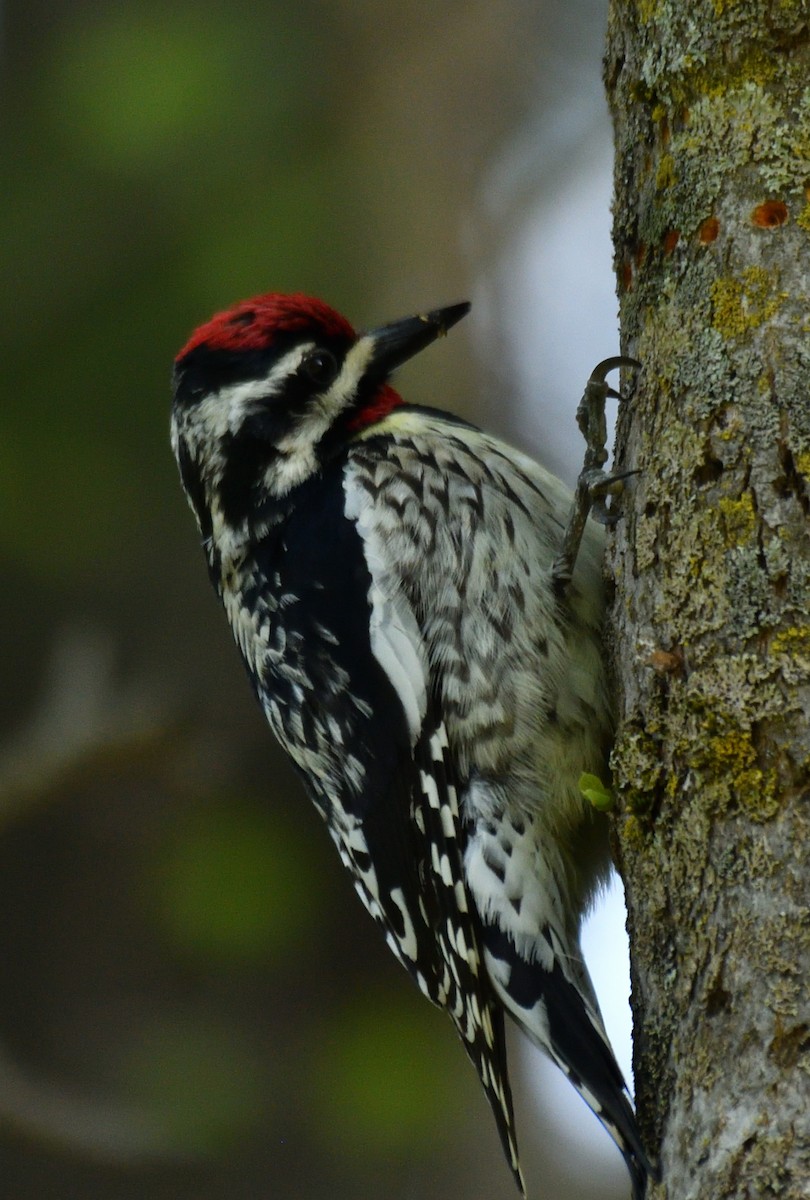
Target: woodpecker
column 430, row 658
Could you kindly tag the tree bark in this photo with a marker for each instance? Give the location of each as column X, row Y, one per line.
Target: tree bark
column 711, row 562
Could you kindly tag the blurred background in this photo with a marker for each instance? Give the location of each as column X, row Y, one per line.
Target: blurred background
column 193, row 1003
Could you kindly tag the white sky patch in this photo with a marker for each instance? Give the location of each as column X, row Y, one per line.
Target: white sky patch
column 551, row 307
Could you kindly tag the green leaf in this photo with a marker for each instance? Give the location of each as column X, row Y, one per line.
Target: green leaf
column 596, row 792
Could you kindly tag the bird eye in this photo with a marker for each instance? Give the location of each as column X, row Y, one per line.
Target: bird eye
column 320, row 366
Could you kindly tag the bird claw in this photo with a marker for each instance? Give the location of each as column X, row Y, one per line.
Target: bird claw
column 594, row 486
column 602, row 487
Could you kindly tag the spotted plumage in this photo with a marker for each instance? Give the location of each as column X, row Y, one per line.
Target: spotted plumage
column 387, row 574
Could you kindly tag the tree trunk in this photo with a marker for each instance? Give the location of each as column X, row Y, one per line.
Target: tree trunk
column 711, row 561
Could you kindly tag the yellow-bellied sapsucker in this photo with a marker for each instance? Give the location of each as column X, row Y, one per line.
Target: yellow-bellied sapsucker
column 427, row 656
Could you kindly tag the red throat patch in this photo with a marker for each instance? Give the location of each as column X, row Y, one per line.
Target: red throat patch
column 384, row 401
column 253, row 324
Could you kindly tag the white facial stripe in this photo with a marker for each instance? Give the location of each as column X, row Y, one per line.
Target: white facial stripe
column 298, row 447
column 344, row 389
column 206, row 425
column 239, row 398
column 223, row 412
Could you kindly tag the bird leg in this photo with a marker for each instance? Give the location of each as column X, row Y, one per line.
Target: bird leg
column 594, row 485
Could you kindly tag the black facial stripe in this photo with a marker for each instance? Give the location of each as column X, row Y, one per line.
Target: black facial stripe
column 204, row 370
column 246, row 459
column 247, row 454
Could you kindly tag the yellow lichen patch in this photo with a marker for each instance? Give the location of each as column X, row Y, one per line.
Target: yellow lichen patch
column 648, row 9
column 753, row 69
column 674, row 785
column 739, row 305
column 802, row 461
column 731, row 752
column 632, row 832
column 739, row 518
column 793, row 643
column 665, row 176
column 803, row 218
column 757, row 794
column 728, row 763
column 728, row 317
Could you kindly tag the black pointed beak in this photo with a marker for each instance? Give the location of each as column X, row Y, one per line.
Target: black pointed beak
column 394, row 344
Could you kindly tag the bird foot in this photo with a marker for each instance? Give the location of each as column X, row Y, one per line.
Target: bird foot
column 595, row 486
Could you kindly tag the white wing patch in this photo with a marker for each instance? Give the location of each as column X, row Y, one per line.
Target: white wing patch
column 395, row 643
column 396, row 640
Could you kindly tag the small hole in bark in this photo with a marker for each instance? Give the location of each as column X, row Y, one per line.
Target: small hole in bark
column 717, row 1001
column 708, row 472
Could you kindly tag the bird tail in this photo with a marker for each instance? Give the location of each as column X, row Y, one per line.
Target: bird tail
column 557, row 1009
column 489, row 1060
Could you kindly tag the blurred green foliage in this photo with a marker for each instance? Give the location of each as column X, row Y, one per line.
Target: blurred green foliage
column 159, row 161
column 236, row 883
column 199, row 1079
column 141, row 86
column 387, row 1078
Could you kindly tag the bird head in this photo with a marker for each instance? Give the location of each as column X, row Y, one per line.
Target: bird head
column 266, row 391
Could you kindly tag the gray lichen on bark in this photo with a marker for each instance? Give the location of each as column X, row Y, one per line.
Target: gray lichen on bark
column 711, row 562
